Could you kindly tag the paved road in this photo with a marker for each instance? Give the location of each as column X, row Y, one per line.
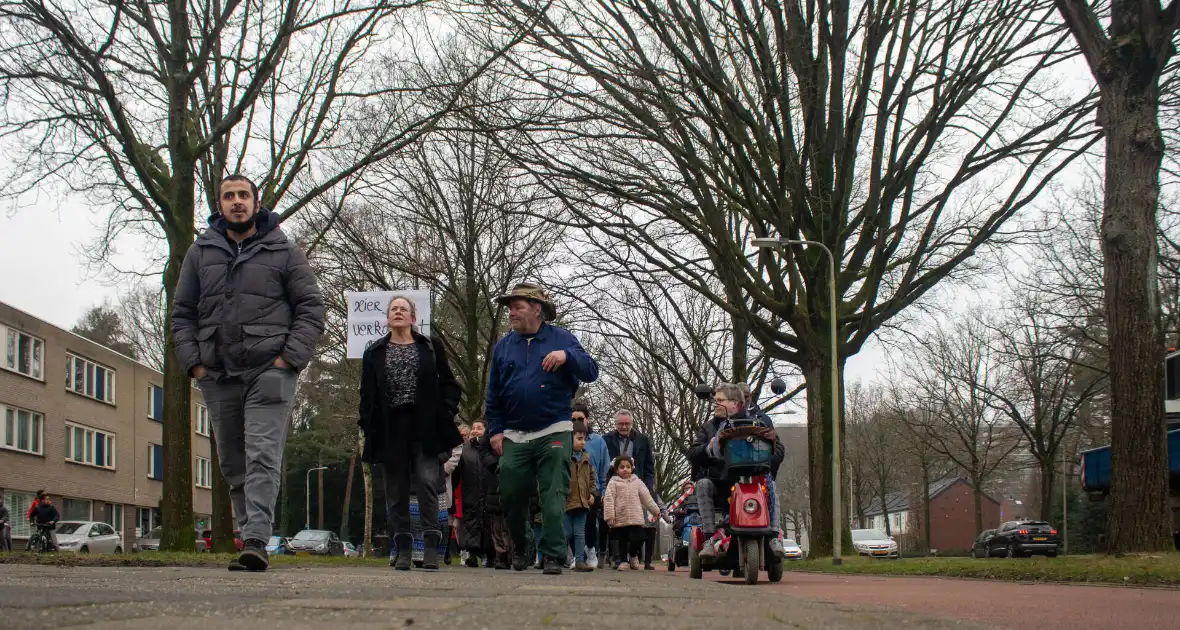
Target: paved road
column 999, row 604
column 370, row 598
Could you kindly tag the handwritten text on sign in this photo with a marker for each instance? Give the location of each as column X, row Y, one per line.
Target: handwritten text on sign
column 367, row 317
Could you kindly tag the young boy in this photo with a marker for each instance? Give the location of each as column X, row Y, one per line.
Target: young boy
column 582, row 497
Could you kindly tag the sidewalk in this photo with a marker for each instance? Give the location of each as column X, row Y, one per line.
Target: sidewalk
column 369, row 598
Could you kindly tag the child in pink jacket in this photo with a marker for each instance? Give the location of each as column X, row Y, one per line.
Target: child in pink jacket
column 623, row 507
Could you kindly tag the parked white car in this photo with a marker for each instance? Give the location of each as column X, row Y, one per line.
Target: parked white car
column 88, row 537
column 792, row 550
column 350, row 551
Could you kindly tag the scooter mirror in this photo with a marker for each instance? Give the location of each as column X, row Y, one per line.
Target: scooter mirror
column 703, row 391
column 778, row 386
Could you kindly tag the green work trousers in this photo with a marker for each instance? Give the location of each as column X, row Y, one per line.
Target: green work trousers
column 543, row 462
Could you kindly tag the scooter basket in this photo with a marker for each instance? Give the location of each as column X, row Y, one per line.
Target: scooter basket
column 748, row 455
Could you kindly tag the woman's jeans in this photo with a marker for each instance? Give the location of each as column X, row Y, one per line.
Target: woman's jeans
column 425, row 473
column 575, row 530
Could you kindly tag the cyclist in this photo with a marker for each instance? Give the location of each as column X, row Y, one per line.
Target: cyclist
column 46, row 517
column 5, row 530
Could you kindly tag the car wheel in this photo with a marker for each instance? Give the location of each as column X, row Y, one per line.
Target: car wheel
column 974, row 556
column 1012, row 550
column 84, row 550
column 118, row 550
column 1051, row 554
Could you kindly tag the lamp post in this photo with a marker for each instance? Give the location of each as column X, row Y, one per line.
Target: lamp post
column 307, row 493
column 775, row 243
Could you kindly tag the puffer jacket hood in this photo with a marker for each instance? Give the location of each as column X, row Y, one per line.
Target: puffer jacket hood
column 264, row 221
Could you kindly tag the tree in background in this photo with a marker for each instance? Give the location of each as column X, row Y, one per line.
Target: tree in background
column 950, row 405
column 105, row 326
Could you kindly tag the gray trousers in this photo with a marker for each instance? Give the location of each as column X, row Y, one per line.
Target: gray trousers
column 705, row 488
column 250, row 421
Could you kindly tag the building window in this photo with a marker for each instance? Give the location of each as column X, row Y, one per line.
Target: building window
column 23, row 430
column 114, row 517
column 23, row 353
column 202, row 420
column 202, row 472
column 88, row 446
column 155, row 461
column 156, row 403
column 75, row 510
column 90, row 379
column 146, row 520
column 18, row 504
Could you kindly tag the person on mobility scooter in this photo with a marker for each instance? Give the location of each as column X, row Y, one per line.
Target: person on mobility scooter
column 735, row 455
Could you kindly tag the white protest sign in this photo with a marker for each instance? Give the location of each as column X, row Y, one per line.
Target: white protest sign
column 367, row 317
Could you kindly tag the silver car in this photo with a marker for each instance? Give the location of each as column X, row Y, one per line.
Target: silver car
column 151, row 541
column 875, row 544
column 88, row 537
column 792, row 550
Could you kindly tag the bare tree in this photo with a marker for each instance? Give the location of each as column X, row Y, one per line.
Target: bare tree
column 134, row 104
column 1043, row 385
column 681, row 129
column 874, row 441
column 951, row 404
column 1128, row 58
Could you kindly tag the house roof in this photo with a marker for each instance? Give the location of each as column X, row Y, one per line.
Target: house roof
column 900, row 502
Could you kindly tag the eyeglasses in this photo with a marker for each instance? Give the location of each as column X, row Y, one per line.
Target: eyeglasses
column 723, row 400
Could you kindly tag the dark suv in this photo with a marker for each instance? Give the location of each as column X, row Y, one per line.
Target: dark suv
column 1022, row 538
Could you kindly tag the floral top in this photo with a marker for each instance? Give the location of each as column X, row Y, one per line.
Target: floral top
column 401, row 374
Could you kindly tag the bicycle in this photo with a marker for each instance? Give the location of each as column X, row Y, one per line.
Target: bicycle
column 40, row 541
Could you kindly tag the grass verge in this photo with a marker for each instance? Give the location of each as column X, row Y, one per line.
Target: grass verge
column 179, row 559
column 1140, row 570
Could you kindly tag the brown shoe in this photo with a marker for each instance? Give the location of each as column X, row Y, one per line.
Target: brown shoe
column 582, row 567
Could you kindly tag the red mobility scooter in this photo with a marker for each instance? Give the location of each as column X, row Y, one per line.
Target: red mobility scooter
column 744, row 534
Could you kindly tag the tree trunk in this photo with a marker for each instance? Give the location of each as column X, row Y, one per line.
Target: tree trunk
column 284, row 501
column 223, row 513
column 176, row 503
column 347, row 497
column 977, row 496
column 817, row 375
column 320, row 495
column 926, row 504
column 1045, row 489
column 741, row 349
column 1139, row 518
column 367, row 474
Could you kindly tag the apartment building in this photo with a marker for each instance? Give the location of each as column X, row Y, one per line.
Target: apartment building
column 83, row 422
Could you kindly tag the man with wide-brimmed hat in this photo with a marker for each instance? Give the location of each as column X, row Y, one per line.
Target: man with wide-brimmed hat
column 536, row 370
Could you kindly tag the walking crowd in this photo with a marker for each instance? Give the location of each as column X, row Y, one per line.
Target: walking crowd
column 529, row 484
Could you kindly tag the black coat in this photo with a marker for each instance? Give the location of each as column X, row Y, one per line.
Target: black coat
column 645, row 462
column 703, row 464
column 474, row 479
column 491, row 480
column 437, row 401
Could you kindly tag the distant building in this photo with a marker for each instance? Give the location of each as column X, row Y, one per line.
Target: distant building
column 92, row 439
column 952, row 515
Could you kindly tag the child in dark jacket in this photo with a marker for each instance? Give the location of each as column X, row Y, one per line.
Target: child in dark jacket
column 493, row 511
column 582, row 497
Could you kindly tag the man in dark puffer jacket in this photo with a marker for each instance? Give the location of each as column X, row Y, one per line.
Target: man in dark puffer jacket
column 247, row 315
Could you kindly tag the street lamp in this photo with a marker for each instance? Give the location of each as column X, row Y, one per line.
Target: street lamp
column 307, row 493
column 775, row 243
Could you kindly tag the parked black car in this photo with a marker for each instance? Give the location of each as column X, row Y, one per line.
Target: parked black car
column 1017, row 538
column 316, row 542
